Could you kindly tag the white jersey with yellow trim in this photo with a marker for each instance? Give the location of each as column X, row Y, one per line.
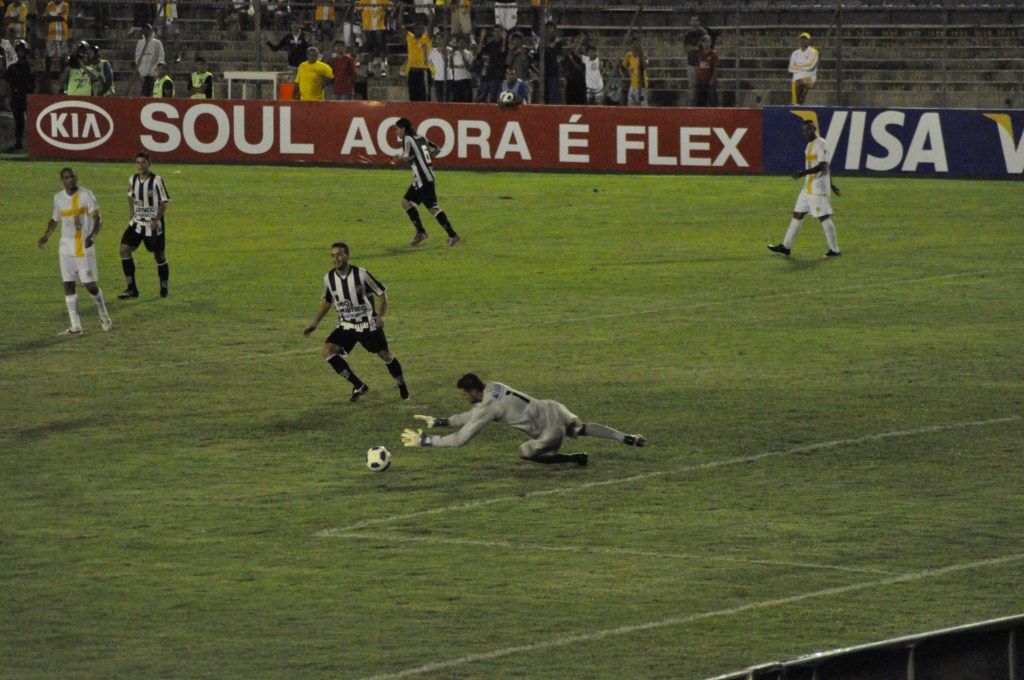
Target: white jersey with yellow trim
column 76, row 215
column 819, row 183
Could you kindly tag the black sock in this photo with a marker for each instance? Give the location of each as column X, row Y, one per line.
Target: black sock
column 340, row 367
column 442, row 219
column 414, row 215
column 128, row 267
column 163, row 271
column 395, row 369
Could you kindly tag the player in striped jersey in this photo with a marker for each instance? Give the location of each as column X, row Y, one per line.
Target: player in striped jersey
column 78, row 213
column 350, row 290
column 147, row 203
column 418, row 152
column 546, row 421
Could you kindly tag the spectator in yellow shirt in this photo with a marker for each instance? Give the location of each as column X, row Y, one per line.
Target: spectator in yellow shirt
column 311, row 78
column 636, row 64
column 419, row 44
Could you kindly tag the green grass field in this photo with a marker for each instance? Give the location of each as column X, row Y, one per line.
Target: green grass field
column 835, row 448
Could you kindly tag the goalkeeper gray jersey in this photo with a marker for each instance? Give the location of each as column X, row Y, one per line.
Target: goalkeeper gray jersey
column 501, row 404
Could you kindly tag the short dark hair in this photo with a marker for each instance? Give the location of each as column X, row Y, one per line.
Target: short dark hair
column 142, row 154
column 405, row 124
column 68, row 169
column 343, row 246
column 470, row 382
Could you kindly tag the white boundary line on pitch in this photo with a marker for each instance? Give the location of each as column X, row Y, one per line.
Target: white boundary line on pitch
column 807, row 448
column 574, row 638
column 394, row 537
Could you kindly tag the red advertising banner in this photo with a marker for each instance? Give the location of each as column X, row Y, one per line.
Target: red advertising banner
column 565, row 138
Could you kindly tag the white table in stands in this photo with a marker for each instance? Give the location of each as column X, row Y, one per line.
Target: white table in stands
column 246, row 77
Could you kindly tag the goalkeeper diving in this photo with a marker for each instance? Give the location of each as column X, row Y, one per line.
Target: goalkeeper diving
column 546, row 421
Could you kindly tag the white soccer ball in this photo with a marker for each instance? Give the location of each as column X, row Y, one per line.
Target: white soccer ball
column 378, row 459
column 506, row 97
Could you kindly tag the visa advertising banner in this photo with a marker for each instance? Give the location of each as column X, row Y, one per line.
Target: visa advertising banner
column 563, row 138
column 932, row 142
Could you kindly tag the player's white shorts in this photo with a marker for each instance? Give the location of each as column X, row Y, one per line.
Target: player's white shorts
column 817, row 206
column 557, row 420
column 83, row 268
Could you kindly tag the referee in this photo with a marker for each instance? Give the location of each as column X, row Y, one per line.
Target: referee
column 350, row 290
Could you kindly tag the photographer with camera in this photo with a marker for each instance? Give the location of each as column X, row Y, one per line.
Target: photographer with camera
column 78, row 77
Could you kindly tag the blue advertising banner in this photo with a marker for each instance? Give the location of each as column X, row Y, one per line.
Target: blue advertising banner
column 932, row 142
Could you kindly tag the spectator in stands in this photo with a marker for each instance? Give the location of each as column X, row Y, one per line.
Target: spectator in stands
column 149, row 52
column 594, row 68
column 295, row 43
column 462, row 70
column 275, row 14
column 22, row 83
column 540, row 13
column 311, row 77
column 492, row 52
column 512, row 83
column 418, row 44
column 16, row 17
column 375, row 36
column 575, row 72
column 8, row 55
column 707, row 74
column 691, row 44
column 57, row 34
column 440, row 62
column 164, row 84
column 462, row 21
column 200, row 83
column 552, row 56
column 803, row 65
column 323, row 26
column 343, row 64
column 351, row 26
column 635, row 64
column 103, row 86
column 167, row 27
column 520, row 58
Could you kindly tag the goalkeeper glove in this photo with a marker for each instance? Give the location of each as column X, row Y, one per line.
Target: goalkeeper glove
column 431, row 421
column 412, row 437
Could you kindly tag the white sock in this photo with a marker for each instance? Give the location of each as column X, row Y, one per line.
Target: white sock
column 794, row 229
column 101, row 305
column 72, row 302
column 830, row 234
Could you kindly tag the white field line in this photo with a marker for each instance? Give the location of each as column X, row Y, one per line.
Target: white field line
column 671, row 309
column 393, row 537
column 574, row 638
column 807, row 448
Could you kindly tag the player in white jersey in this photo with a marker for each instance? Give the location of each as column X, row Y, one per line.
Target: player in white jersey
column 147, row 202
column 803, row 67
column 545, row 421
column 77, row 212
column 814, row 196
column 351, row 292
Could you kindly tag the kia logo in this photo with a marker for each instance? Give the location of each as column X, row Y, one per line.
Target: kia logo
column 74, row 125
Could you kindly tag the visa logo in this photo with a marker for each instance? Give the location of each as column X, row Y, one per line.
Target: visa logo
column 1012, row 154
column 888, row 130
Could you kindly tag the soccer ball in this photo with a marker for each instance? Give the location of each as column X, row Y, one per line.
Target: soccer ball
column 378, row 459
column 506, row 97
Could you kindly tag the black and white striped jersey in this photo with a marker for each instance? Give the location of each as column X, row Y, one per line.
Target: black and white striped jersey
column 352, row 296
column 147, row 195
column 421, row 156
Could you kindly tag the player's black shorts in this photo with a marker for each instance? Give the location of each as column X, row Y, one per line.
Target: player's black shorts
column 425, row 195
column 154, row 244
column 372, row 341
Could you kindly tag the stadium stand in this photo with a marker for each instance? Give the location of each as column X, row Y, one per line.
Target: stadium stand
column 874, row 52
